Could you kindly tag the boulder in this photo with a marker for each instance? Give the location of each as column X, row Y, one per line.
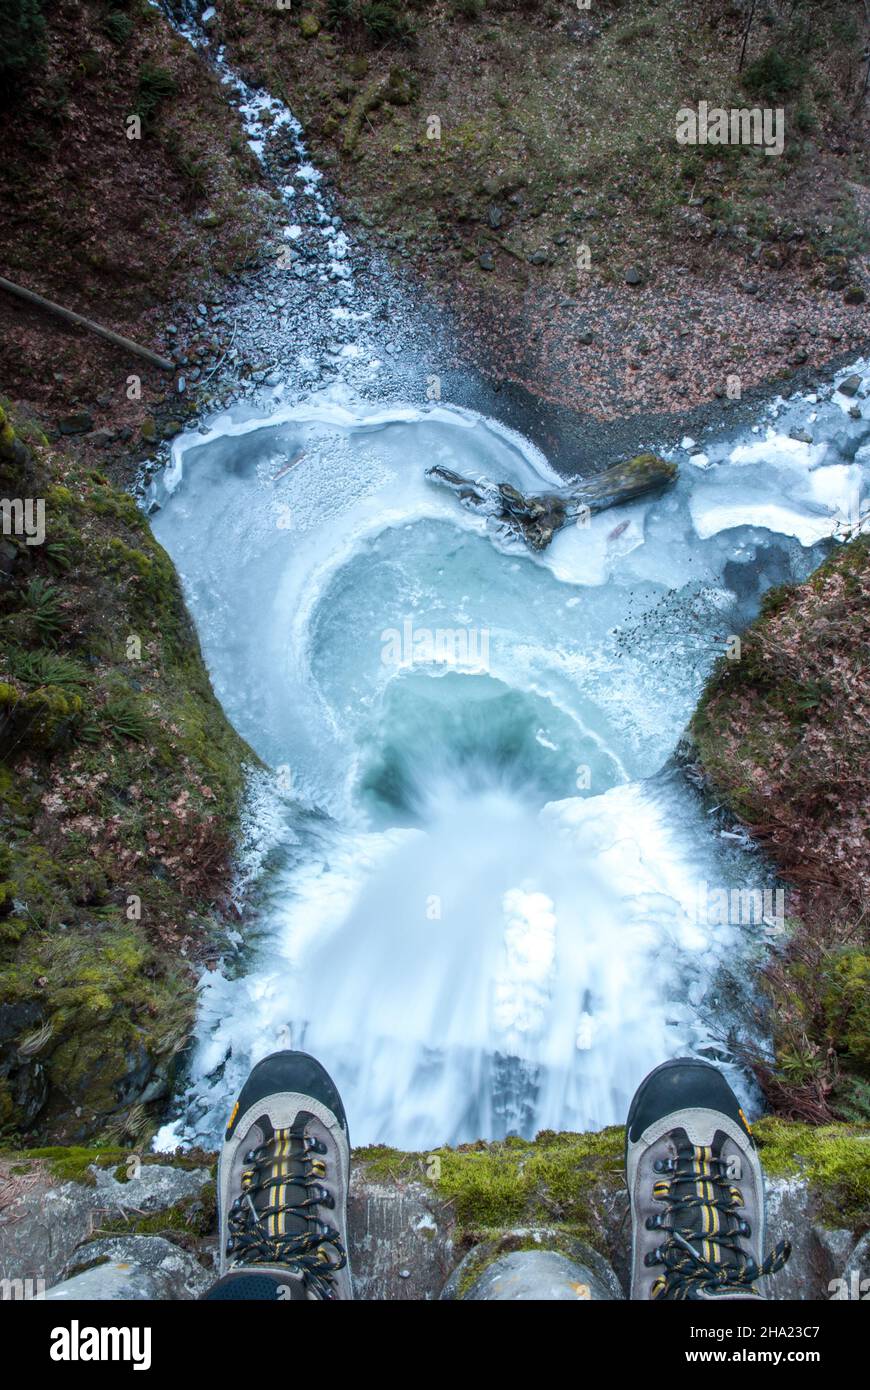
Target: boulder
column 131, row 1268
column 850, row 385
column 531, row 1265
column 42, row 1227
column 79, row 422
column 400, row 1237
column 818, row 1252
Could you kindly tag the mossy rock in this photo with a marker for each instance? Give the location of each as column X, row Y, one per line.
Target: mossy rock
column 834, row 1160
column 120, row 785
column 490, row 1187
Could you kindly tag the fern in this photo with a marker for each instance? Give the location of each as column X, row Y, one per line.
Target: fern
column 58, row 554
column 88, row 730
column 125, row 719
column 43, row 600
column 44, row 668
column 156, row 85
column 384, row 21
column 339, row 13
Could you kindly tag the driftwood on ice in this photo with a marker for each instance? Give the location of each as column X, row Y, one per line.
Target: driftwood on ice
column 537, row 517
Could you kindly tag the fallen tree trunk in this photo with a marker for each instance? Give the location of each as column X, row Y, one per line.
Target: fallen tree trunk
column 537, row 517
column 72, row 317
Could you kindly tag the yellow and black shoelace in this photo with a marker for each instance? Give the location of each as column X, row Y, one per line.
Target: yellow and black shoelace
column 269, row 1226
column 702, row 1229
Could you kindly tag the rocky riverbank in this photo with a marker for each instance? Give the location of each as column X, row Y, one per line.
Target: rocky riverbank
column 519, row 160
column 700, row 275
column 781, row 736
column 422, row 1226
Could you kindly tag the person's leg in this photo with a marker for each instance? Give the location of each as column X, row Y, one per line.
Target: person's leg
column 696, row 1189
column 282, row 1187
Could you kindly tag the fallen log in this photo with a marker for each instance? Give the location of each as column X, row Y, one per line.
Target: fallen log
column 72, row 317
column 537, row 517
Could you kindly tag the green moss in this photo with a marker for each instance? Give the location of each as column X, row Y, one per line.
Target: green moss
column 558, row 1180
column 553, row 1179
column 834, row 1159
column 120, row 782
column 384, row 1163
column 193, row 1217
column 107, row 501
column 7, row 437
column 73, row 1164
column 643, row 464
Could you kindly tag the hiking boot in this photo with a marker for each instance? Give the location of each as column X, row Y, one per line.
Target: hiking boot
column 696, row 1189
column 282, row 1186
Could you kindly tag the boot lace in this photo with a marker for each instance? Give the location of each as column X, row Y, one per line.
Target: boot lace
column 701, row 1250
column 271, row 1223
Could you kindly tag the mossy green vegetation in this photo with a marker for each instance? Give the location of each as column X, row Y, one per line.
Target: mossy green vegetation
column 120, row 784
column 67, row 1164
column 190, row 1219
column 75, row 1162
column 834, row 1159
column 560, row 1181
column 555, row 1180
column 563, row 1183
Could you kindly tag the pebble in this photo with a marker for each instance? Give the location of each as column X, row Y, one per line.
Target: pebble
column 849, row 386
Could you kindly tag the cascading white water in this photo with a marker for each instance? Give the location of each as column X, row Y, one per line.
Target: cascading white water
column 486, row 919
